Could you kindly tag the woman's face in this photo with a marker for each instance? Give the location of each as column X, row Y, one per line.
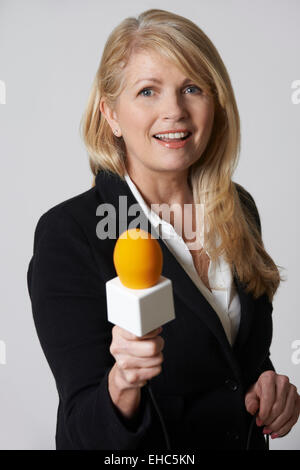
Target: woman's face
column 147, row 107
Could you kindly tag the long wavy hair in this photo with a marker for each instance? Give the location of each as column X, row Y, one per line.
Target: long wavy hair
column 230, row 211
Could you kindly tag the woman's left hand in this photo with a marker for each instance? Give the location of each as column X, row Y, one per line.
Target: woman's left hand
column 278, row 402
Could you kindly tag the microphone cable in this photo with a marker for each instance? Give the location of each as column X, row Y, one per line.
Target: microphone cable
column 167, row 439
column 164, row 429
column 250, row 433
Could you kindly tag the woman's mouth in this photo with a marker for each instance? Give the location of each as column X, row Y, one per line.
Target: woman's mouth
column 173, row 143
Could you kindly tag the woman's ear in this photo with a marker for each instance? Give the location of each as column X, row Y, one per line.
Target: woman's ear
column 109, row 114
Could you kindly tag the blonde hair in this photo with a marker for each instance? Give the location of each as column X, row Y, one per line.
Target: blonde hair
column 230, row 210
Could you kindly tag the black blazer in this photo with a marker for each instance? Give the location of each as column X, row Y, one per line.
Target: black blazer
column 201, row 389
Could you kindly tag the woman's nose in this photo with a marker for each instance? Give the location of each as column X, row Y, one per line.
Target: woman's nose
column 173, row 107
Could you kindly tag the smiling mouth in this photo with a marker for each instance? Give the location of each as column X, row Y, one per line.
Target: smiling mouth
column 174, row 140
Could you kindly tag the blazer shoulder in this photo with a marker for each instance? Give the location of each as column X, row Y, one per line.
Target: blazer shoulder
column 67, row 215
column 62, row 242
column 75, row 203
column 244, row 195
column 248, row 201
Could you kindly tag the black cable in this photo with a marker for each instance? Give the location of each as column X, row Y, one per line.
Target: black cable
column 250, row 432
column 167, row 439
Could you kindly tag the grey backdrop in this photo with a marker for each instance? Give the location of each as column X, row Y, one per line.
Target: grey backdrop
column 49, row 53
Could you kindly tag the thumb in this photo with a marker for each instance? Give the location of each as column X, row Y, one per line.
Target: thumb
column 252, row 402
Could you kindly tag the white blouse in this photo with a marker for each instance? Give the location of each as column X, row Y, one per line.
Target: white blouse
column 224, row 300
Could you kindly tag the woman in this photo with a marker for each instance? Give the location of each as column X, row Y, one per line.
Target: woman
column 210, row 368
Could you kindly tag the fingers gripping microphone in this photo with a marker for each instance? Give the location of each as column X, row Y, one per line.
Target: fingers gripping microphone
column 140, row 299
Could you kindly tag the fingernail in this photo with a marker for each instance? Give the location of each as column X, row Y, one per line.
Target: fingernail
column 259, row 422
column 267, row 431
column 273, row 436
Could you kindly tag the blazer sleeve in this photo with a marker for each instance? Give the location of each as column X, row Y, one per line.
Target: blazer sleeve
column 248, row 201
column 69, row 310
column 266, row 365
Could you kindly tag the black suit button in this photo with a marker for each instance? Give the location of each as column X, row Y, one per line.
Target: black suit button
column 231, row 384
column 232, row 435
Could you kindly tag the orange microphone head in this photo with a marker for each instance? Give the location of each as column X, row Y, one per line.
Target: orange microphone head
column 137, row 259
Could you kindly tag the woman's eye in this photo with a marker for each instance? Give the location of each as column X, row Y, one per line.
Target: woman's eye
column 144, row 89
column 150, row 89
column 192, row 86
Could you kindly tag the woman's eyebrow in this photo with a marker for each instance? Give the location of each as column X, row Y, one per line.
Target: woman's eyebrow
column 154, row 79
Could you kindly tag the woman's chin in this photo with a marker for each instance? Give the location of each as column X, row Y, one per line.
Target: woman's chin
column 175, row 166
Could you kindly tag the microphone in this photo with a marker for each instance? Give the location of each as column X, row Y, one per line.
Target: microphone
column 139, row 299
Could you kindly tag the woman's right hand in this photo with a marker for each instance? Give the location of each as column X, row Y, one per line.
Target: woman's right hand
column 138, row 359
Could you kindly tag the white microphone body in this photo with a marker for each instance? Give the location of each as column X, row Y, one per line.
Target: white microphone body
column 140, row 311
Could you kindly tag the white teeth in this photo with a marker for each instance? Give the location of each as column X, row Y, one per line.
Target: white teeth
column 176, row 135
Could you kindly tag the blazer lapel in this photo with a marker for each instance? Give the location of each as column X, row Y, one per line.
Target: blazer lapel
column 187, row 291
column 110, row 186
